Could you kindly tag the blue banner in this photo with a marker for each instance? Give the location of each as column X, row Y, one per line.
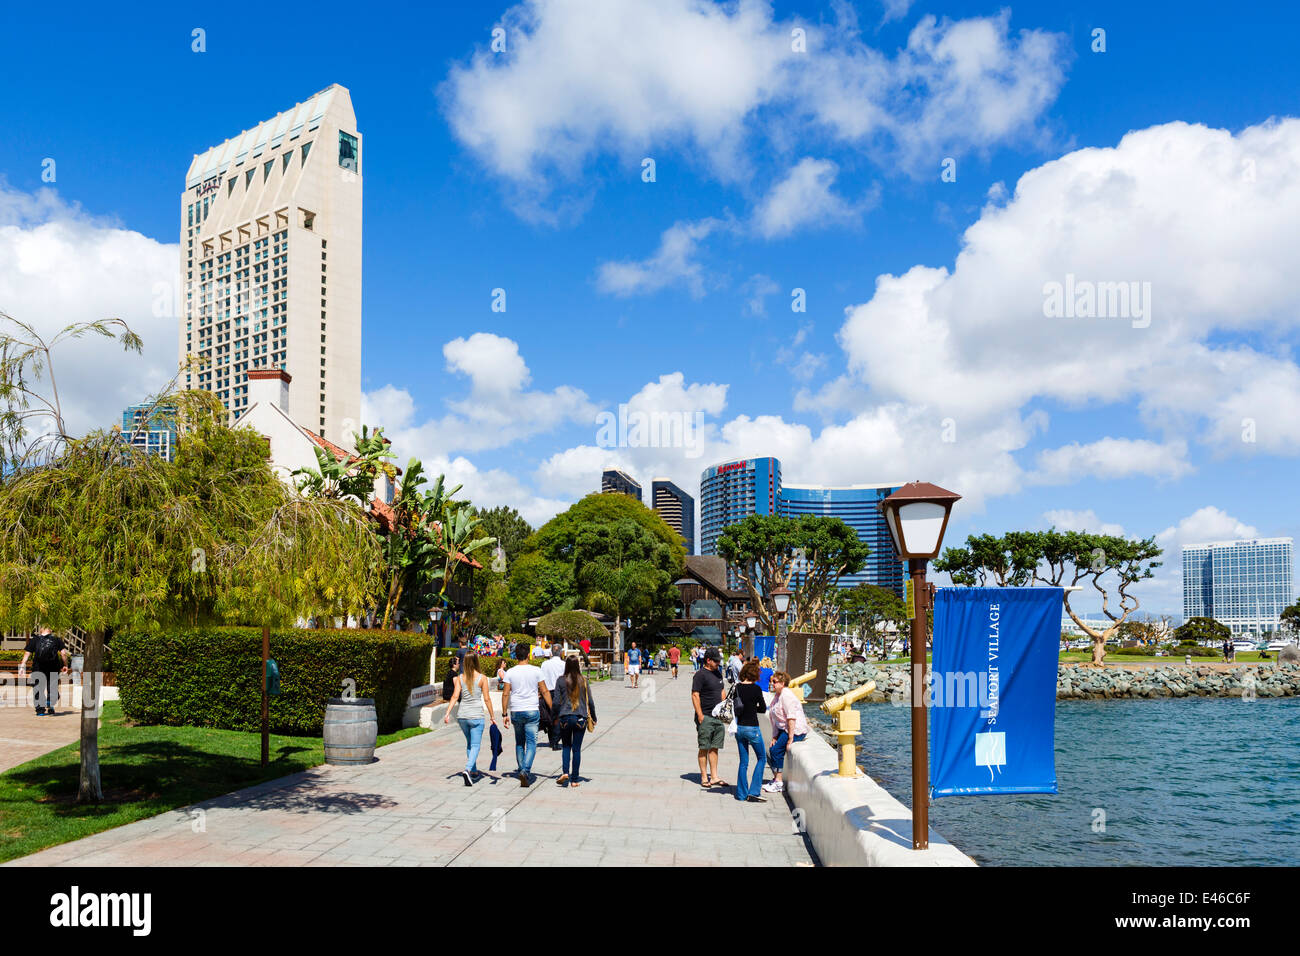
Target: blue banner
column 993, row 690
column 765, row 647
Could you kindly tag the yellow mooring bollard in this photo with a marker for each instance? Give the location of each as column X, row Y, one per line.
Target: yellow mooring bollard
column 848, row 722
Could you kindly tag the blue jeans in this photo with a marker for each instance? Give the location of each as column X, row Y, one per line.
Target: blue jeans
column 473, row 731
column 776, row 752
column 747, row 737
column 525, row 722
column 571, row 741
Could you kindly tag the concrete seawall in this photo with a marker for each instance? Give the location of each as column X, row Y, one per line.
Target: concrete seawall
column 854, row 821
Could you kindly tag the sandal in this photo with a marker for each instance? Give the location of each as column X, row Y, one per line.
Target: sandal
column 705, row 784
column 721, row 783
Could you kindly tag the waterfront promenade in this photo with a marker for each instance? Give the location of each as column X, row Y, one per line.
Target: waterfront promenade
column 640, row 803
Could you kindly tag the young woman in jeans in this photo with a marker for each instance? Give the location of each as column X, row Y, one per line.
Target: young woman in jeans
column 475, row 712
column 749, row 704
column 789, row 725
column 575, row 713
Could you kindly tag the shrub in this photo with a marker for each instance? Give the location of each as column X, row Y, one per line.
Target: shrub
column 210, row 677
column 571, row 626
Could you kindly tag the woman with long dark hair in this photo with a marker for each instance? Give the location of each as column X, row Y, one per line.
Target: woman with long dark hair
column 575, row 713
column 749, row 704
column 475, row 712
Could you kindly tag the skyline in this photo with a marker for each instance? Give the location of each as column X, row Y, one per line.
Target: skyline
column 773, row 174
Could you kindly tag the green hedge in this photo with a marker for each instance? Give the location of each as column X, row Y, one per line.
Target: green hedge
column 211, row 677
column 488, row 665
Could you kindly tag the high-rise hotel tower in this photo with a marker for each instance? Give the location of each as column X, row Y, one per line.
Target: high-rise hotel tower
column 271, row 263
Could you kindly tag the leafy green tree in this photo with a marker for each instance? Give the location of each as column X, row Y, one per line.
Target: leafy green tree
column 426, row 536
column 556, row 539
column 571, row 626
column 537, row 585
column 1202, row 630
column 352, row 478
column 1112, row 565
column 625, row 570
column 1005, row 561
column 26, row 363
column 763, row 549
column 101, row 536
column 870, row 609
column 1289, row 620
column 509, row 528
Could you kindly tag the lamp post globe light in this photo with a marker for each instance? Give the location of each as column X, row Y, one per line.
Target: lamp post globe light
column 917, row 516
column 781, row 601
column 751, row 622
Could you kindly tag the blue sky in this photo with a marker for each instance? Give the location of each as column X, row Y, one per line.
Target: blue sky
column 775, row 170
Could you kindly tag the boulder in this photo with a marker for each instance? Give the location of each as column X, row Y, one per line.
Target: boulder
column 1289, row 654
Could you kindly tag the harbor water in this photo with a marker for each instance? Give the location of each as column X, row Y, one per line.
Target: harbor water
column 1191, row 781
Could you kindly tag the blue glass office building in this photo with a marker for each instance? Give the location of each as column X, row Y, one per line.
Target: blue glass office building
column 858, row 507
column 1243, row 584
column 151, row 429
column 735, row 490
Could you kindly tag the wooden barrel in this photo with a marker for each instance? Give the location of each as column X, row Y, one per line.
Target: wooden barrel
column 351, row 727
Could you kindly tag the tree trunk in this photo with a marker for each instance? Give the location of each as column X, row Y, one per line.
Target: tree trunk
column 88, row 787
column 617, row 662
column 1098, row 650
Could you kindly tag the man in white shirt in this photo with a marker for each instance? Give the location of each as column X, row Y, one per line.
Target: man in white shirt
column 524, row 684
column 552, row 670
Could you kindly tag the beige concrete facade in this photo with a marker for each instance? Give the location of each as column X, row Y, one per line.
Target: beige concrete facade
column 271, row 263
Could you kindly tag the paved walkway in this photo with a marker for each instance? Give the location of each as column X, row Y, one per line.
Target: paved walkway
column 23, row 735
column 640, row 803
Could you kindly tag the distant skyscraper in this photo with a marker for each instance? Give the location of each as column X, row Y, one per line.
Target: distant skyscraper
column 857, row 506
column 620, row 483
column 676, row 507
column 271, row 263
column 154, row 433
column 1243, row 584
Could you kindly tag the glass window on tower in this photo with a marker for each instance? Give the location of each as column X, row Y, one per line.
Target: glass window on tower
column 348, row 157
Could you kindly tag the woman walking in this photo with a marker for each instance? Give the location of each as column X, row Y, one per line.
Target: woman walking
column 575, row 712
column 475, row 712
column 749, row 704
column 789, row 725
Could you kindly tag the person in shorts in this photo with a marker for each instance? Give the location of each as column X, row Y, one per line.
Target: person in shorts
column 710, row 732
column 632, row 660
column 674, row 656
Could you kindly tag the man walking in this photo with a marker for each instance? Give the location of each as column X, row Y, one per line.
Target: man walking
column 733, row 667
column 519, row 702
column 674, row 656
column 632, row 661
column 552, row 670
column 50, row 657
column 706, row 693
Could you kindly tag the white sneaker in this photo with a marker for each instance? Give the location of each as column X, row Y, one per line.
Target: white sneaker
column 774, row 786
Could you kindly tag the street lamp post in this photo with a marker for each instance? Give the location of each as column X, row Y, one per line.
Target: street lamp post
column 781, row 601
column 435, row 615
column 751, row 622
column 917, row 515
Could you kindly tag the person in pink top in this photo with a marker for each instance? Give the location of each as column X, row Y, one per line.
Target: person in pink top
column 789, row 725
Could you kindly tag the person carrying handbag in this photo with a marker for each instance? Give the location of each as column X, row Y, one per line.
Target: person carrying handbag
column 575, row 712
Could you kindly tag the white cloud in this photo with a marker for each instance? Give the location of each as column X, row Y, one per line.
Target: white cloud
column 1111, row 458
column 632, row 77
column 1205, row 525
column 758, row 287
column 58, row 266
column 1064, row 519
column 498, row 411
column 1205, row 216
column 672, row 264
column 804, row 198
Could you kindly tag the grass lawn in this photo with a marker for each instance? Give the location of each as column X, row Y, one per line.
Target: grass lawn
column 144, row 771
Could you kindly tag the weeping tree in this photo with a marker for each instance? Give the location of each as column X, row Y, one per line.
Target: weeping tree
column 98, row 534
